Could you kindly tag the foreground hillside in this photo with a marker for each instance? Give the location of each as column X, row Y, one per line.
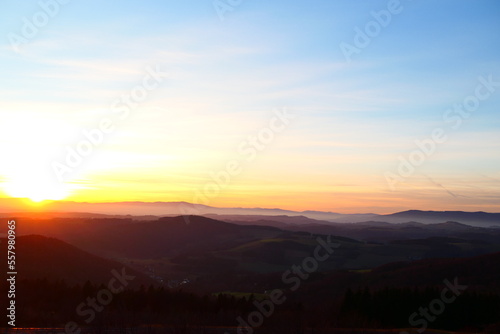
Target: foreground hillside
column 40, row 257
column 381, row 298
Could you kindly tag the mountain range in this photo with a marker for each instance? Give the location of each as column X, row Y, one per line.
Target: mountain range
column 147, row 210
column 246, row 256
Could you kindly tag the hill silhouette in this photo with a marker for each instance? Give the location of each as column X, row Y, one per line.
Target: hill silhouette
column 40, row 257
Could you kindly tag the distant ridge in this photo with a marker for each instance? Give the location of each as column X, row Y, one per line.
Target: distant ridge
column 159, row 209
column 470, row 218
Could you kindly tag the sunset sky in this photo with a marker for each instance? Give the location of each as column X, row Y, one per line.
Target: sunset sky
column 203, row 81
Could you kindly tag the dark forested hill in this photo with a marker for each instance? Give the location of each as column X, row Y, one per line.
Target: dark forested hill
column 39, row 257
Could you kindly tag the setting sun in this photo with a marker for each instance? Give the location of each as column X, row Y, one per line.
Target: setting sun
column 32, row 141
column 35, row 190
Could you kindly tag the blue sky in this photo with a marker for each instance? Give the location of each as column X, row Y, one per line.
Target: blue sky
column 225, row 78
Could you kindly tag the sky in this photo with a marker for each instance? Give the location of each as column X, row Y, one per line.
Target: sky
column 344, row 106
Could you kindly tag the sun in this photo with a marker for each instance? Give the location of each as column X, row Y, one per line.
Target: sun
column 35, row 189
column 29, row 143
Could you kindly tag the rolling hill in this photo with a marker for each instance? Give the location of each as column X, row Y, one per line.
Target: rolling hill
column 40, row 257
column 193, row 247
